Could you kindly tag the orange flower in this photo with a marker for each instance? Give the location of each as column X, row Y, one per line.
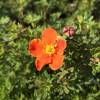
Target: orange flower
column 48, row 50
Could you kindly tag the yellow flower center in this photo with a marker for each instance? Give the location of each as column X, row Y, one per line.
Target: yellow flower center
column 49, row 49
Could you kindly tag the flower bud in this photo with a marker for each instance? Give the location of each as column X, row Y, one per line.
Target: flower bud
column 69, row 31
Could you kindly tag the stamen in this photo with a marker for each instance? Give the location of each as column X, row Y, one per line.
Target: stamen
column 49, row 49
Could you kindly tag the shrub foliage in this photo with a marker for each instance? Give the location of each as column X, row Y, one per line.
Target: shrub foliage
column 23, row 20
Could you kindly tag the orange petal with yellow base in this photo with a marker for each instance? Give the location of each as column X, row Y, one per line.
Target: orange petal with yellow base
column 57, row 62
column 49, row 36
column 35, row 48
column 60, row 46
column 41, row 61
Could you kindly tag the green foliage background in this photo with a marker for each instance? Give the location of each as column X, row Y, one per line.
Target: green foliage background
column 23, row 20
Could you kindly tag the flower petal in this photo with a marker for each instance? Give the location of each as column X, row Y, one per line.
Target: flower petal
column 57, row 61
column 49, row 35
column 35, row 48
column 41, row 61
column 60, row 46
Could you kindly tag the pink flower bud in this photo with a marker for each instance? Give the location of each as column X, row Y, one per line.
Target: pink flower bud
column 69, row 31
